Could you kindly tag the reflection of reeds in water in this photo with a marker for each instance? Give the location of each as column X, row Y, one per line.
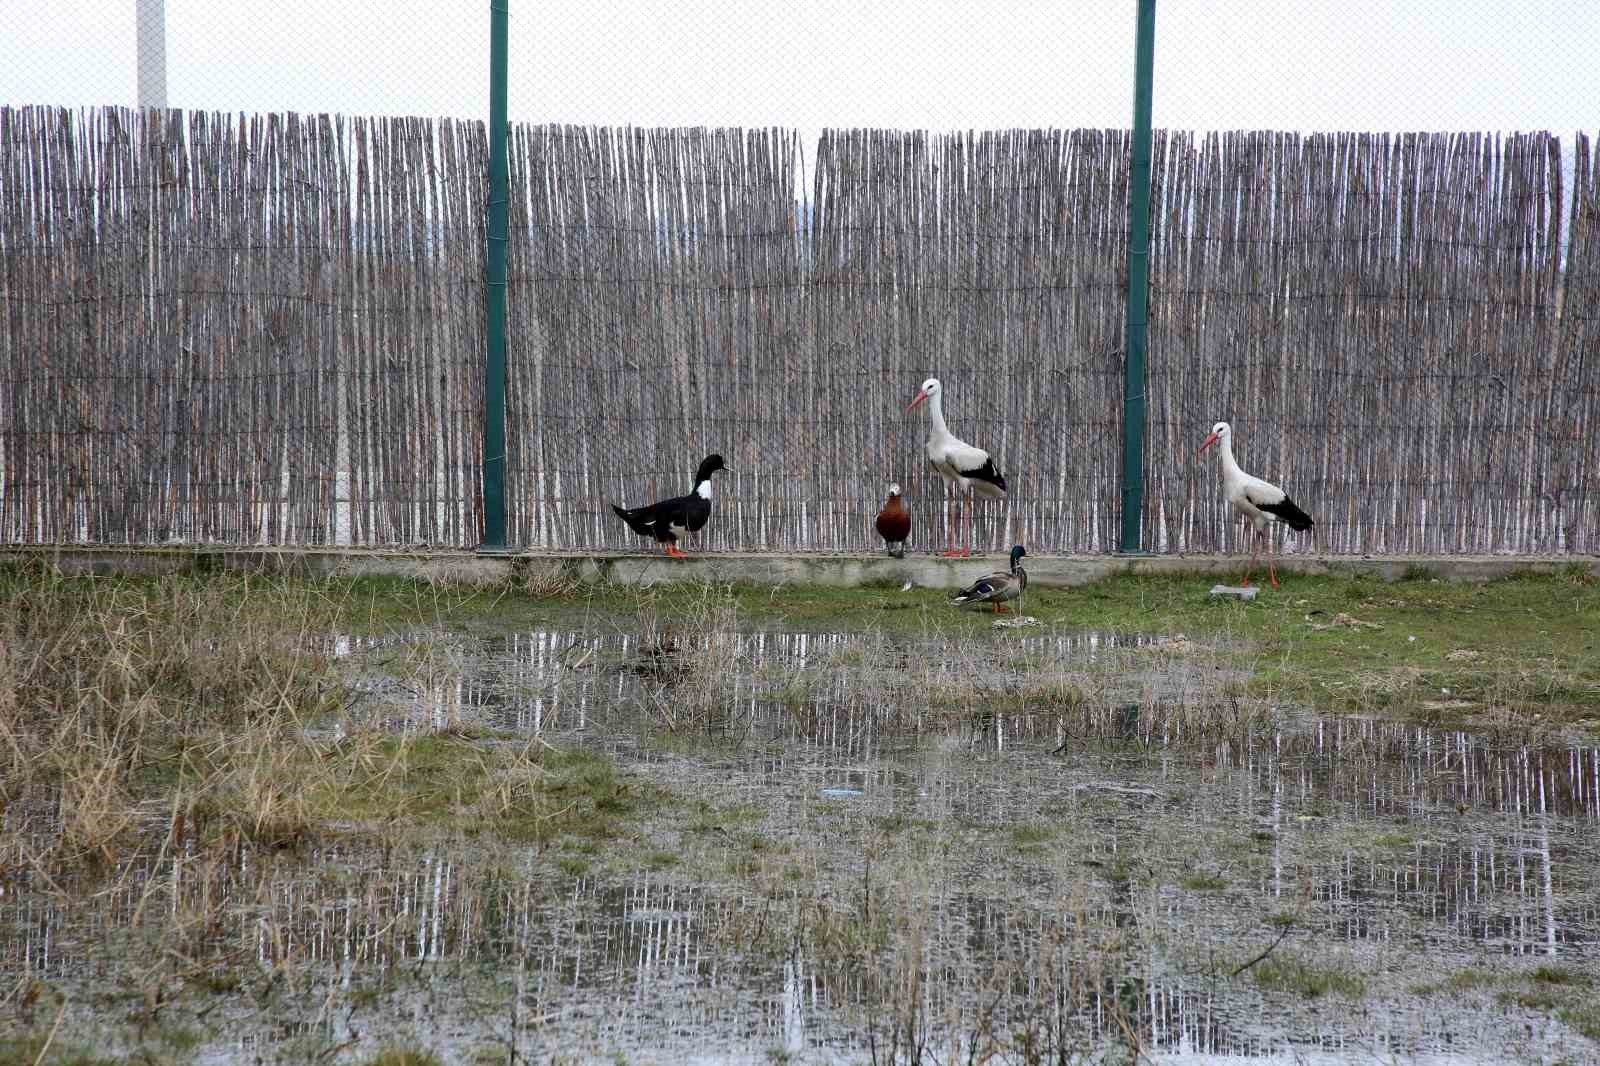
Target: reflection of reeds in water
column 697, row 668
column 919, row 976
column 699, row 673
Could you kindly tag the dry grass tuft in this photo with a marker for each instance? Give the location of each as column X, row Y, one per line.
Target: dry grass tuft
column 546, row 579
column 112, row 691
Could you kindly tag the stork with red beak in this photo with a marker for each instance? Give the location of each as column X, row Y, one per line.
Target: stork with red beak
column 1260, row 502
column 963, row 467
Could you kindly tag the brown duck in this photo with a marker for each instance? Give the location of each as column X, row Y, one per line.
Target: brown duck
column 894, row 523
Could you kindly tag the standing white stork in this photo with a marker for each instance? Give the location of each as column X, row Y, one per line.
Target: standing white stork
column 962, row 466
column 1260, row 502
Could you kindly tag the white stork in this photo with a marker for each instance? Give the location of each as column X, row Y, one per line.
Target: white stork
column 962, row 466
column 1260, row 502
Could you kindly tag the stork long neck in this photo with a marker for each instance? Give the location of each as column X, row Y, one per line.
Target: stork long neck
column 936, row 426
column 1230, row 465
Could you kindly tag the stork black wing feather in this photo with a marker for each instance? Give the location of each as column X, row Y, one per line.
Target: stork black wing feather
column 1285, row 511
column 989, row 473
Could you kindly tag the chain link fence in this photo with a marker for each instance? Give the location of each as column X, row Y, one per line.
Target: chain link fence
column 255, row 316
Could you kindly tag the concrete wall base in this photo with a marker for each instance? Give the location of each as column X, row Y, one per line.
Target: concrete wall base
column 927, row 571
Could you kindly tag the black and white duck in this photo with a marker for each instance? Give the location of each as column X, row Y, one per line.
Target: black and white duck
column 665, row 519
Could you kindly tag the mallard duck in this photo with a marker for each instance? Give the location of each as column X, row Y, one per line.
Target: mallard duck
column 894, row 523
column 687, row 514
column 1260, row 502
column 998, row 587
column 962, row 466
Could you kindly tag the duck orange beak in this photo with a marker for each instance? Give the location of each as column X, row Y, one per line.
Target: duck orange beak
column 920, row 397
column 1209, row 441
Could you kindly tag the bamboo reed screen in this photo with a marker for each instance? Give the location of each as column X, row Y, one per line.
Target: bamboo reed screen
column 268, row 330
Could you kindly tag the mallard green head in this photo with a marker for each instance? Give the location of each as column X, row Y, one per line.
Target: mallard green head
column 1017, row 552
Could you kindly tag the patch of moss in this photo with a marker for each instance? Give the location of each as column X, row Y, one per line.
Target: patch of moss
column 1199, row 881
column 517, row 793
column 1584, row 1018
column 180, row 1038
column 1305, row 978
column 404, row 1056
column 1460, row 981
column 27, row 1051
column 1030, row 836
column 1536, row 998
column 1558, row 975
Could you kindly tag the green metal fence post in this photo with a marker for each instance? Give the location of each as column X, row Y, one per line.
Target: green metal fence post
column 494, row 297
column 1138, row 284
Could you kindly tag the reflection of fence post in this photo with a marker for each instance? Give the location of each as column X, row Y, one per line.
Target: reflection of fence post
column 494, row 294
column 1138, row 284
column 150, row 33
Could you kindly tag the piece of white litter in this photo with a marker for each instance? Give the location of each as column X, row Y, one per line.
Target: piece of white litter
column 906, row 587
column 1013, row 623
column 1411, row 640
column 1245, row 593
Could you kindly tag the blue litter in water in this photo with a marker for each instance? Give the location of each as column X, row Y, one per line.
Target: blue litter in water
column 841, row 792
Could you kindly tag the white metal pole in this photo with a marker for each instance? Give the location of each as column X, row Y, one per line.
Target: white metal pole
column 152, row 18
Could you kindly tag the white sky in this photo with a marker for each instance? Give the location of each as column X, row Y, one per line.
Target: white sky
column 1220, row 64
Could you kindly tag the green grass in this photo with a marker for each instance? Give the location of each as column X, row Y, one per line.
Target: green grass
column 532, row 794
column 1202, row 882
column 703, row 817
column 1559, row 990
column 1583, row 1018
column 1029, row 838
column 1538, row 997
column 1566, row 993
column 25, row 1052
column 397, row 1056
column 1459, row 981
column 1533, row 634
column 1307, row 979
column 1534, row 658
column 1559, row 975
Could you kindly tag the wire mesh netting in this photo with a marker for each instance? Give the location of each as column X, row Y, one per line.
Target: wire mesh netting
column 254, row 313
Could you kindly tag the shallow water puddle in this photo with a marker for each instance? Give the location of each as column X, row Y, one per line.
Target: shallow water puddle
column 1035, row 848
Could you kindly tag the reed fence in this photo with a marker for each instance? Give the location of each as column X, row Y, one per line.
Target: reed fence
column 268, row 330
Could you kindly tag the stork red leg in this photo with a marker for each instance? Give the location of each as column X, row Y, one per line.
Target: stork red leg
column 1255, row 546
column 972, row 506
column 955, row 528
column 676, row 552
